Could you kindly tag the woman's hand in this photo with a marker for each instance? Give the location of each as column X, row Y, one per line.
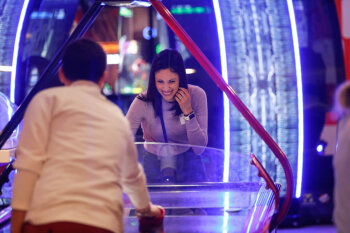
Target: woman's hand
column 183, row 97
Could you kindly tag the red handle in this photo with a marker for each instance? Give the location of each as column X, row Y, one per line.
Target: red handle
column 152, row 224
column 269, row 183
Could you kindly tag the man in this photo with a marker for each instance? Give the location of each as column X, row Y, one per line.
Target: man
column 76, row 155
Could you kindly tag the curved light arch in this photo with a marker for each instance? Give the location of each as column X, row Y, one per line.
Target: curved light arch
column 300, row 99
column 16, row 49
column 224, row 74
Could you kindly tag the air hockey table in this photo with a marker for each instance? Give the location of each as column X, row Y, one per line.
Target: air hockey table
column 244, row 203
column 207, row 204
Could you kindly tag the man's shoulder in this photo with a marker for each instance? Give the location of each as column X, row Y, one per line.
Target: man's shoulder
column 115, row 108
column 51, row 91
column 48, row 93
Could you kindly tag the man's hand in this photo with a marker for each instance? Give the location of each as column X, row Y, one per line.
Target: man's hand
column 151, row 211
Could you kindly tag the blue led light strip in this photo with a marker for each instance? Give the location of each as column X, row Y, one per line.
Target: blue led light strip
column 225, row 77
column 300, row 98
column 15, row 50
column 225, row 225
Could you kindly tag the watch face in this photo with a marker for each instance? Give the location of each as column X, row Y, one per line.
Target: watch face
column 189, row 116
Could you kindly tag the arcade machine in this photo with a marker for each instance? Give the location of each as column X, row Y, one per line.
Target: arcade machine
column 233, row 198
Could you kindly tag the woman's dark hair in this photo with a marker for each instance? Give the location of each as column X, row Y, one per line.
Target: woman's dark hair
column 167, row 59
column 84, row 59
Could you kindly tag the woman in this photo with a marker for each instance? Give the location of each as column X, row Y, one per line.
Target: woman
column 182, row 110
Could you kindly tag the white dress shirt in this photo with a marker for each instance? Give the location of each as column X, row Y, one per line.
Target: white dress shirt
column 75, row 157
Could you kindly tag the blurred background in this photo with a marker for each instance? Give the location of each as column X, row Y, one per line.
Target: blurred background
column 285, row 69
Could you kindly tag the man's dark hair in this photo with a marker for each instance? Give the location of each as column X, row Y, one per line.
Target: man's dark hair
column 84, row 59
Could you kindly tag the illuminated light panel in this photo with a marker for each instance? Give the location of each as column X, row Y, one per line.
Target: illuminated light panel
column 300, row 98
column 149, row 33
column 125, row 12
column 6, row 68
column 110, row 47
column 225, row 77
column 15, row 50
column 113, row 59
column 142, row 3
column 189, row 10
column 5, row 213
column 9, row 109
column 190, row 71
column 225, row 225
column 320, row 148
column 158, row 48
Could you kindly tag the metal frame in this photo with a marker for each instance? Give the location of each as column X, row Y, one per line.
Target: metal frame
column 254, row 123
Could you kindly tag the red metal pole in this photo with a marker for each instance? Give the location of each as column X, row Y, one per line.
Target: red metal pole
column 217, row 78
column 346, row 41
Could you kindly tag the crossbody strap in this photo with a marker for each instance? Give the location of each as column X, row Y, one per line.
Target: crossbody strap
column 163, row 127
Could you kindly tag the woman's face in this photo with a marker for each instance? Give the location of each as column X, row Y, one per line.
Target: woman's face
column 167, row 84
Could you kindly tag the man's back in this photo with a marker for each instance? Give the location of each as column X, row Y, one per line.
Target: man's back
column 84, row 138
column 76, row 154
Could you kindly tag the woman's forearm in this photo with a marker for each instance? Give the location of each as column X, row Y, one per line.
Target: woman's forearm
column 196, row 134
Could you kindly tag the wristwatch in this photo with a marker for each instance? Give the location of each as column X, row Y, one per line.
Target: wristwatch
column 189, row 116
